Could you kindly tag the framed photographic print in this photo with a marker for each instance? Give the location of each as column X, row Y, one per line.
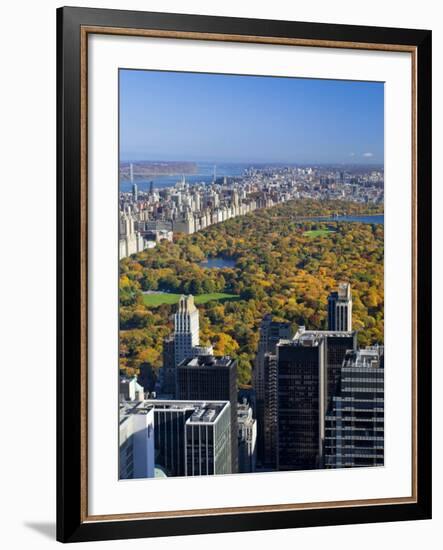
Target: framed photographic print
column 244, row 274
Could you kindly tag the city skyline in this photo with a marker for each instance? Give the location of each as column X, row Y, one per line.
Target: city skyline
column 251, row 274
column 211, row 117
column 322, row 405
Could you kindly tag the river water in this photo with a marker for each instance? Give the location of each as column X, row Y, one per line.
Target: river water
column 218, row 263
column 373, row 218
column 205, row 174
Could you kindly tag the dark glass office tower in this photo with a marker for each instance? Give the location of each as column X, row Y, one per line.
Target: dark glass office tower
column 168, row 371
column 271, row 332
column 337, row 343
column 212, row 378
column 169, row 434
column 354, row 430
column 301, row 400
column 270, row 418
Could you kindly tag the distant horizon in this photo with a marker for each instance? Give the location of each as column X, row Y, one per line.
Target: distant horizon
column 254, row 163
column 178, row 115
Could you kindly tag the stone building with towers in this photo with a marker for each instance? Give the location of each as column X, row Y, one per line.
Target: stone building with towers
column 183, row 343
column 130, row 240
column 340, row 308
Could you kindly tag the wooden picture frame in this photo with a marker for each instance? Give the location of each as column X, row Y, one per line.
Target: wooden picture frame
column 74, row 523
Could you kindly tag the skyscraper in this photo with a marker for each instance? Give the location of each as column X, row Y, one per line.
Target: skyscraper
column 247, row 438
column 136, row 442
column 211, row 378
column 134, row 192
column 133, row 184
column 270, row 416
column 340, row 308
column 354, row 429
column 168, row 370
column 182, row 344
column 130, row 241
column 337, row 343
column 301, row 389
column 208, row 440
column 270, row 334
column 184, row 438
column 169, row 420
column 186, row 329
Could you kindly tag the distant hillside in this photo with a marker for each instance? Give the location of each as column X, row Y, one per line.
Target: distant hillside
column 145, row 169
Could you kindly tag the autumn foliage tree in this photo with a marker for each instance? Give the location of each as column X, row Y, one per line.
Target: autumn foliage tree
column 280, row 268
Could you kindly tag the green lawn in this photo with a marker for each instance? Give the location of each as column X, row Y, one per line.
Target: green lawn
column 155, row 300
column 318, row 233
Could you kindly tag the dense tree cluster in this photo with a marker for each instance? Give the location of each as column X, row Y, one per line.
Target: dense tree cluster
column 279, row 269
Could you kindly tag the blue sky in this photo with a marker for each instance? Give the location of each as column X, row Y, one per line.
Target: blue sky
column 230, row 118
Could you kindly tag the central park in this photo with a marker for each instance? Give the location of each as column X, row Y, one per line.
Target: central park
column 271, row 261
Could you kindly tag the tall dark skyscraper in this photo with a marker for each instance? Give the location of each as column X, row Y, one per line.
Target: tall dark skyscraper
column 270, row 416
column 211, row 378
column 169, row 434
column 337, row 343
column 301, row 401
column 271, row 332
column 168, row 371
column 354, row 428
column 340, row 308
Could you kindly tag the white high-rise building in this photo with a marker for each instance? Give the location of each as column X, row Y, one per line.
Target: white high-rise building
column 247, row 438
column 137, row 454
column 184, row 343
column 130, row 389
column 130, row 241
column 186, row 329
column 340, row 309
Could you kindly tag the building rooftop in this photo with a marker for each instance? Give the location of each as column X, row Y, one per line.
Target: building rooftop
column 302, row 333
column 186, row 304
column 302, row 340
column 343, row 292
column 364, row 358
column 127, row 379
column 202, row 412
column 205, row 415
column 207, row 361
column 129, row 408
